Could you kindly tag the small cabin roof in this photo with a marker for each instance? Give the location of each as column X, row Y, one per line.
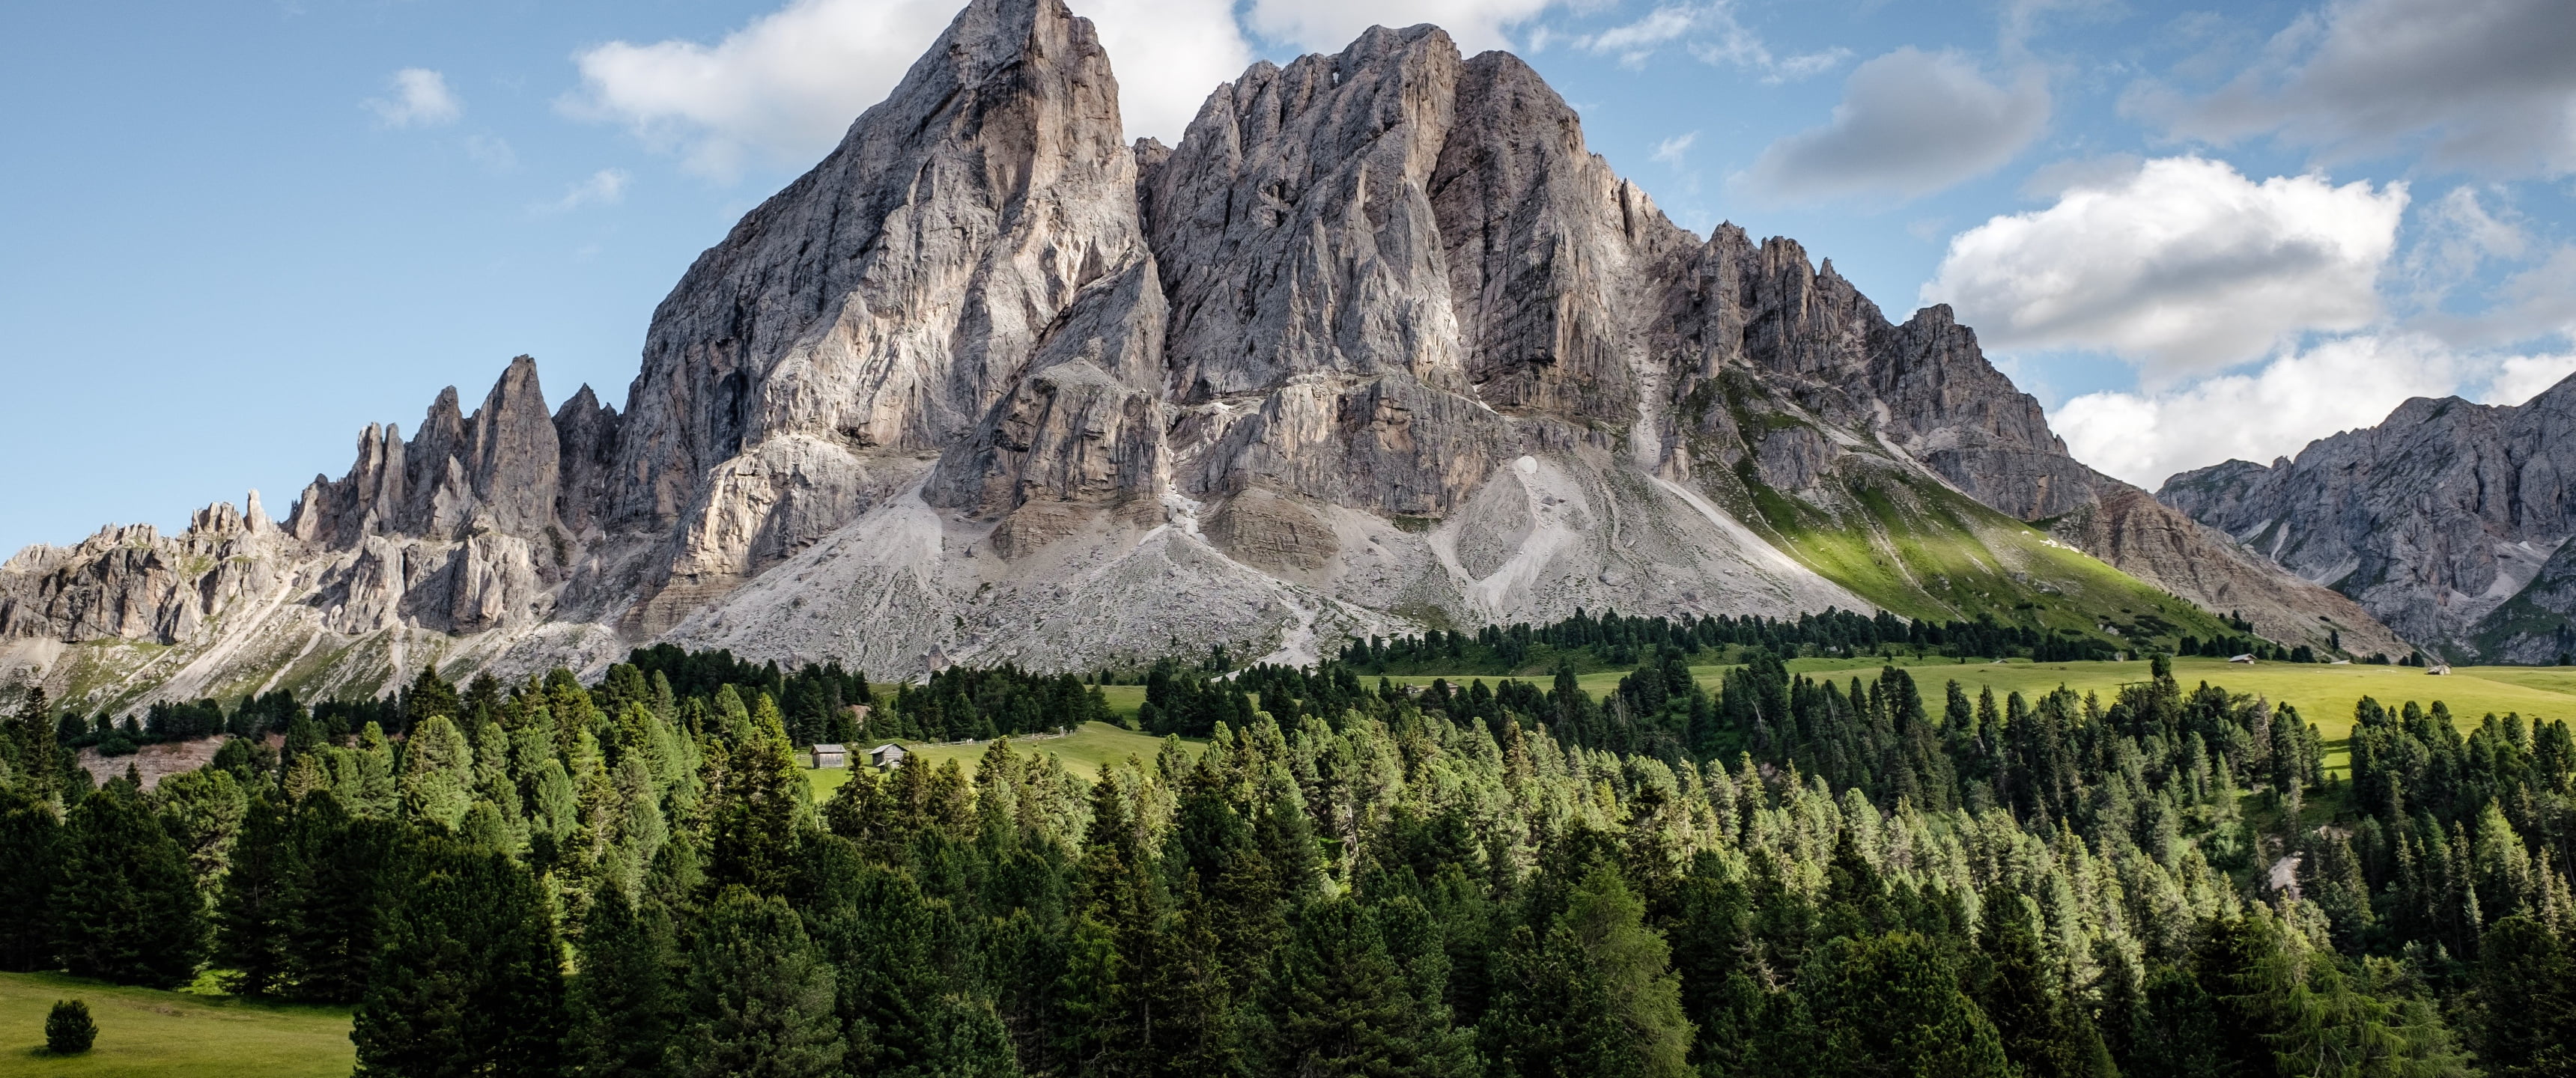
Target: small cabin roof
column 831, row 748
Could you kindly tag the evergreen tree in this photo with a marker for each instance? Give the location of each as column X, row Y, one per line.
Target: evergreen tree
column 623, row 1009
column 126, row 909
column 437, row 773
column 2043, row 1032
column 760, row 995
column 1887, row 1005
column 1597, row 997
column 203, row 810
column 758, row 804
column 254, row 917
column 345, row 889
column 69, row 1030
column 1340, row 1005
column 470, row 978
column 30, row 847
column 2527, row 983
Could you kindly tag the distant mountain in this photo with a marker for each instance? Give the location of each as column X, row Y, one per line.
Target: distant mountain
column 1379, row 346
column 2448, row 521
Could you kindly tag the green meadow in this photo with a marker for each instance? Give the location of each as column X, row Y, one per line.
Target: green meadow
column 2324, row 696
column 142, row 1031
column 1084, row 751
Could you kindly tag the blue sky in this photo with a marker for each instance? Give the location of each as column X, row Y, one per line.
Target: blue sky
column 233, row 233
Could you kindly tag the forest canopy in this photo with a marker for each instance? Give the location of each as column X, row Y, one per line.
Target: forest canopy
column 1789, row 875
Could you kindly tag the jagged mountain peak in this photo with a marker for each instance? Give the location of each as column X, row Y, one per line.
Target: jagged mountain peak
column 1380, row 344
column 2448, row 520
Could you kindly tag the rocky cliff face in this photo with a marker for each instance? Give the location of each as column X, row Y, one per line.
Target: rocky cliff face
column 1379, row 345
column 2447, row 520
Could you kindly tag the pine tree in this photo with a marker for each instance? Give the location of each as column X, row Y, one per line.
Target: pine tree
column 2043, row 1032
column 203, row 809
column 622, row 1005
column 1597, row 995
column 30, row 849
column 470, row 979
column 254, row 916
column 1340, row 1005
column 437, row 774
column 881, row 938
column 127, row 908
column 1888, row 1005
column 2527, row 984
column 757, row 807
column 760, row 995
column 337, row 913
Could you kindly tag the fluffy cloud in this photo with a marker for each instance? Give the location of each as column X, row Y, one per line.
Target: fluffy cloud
column 2520, row 378
column 2484, row 84
column 1327, row 25
column 421, row 99
column 784, row 88
column 2338, row 385
column 1713, row 34
column 2183, row 266
column 1910, row 123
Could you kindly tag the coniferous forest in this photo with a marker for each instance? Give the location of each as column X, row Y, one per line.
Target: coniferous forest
column 1791, row 875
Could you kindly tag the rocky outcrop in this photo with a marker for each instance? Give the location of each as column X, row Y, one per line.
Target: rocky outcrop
column 1379, row 345
column 2445, row 520
column 879, row 308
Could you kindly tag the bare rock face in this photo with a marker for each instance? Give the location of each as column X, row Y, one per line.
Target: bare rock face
column 1379, row 345
column 875, row 311
column 2445, row 520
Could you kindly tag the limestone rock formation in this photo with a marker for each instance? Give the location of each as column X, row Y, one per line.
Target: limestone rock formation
column 1379, row 345
column 2447, row 521
column 874, row 312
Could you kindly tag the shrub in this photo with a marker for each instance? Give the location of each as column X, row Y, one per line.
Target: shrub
column 68, row 1030
column 116, row 744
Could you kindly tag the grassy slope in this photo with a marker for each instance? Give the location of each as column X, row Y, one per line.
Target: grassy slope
column 2324, row 695
column 1085, row 752
column 1906, row 542
column 170, row 1034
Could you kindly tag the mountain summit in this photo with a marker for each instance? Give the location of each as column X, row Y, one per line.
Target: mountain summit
column 1379, row 346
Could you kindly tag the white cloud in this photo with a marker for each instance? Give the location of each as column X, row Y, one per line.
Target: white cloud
column 421, row 99
column 1910, row 123
column 785, row 87
column 606, row 187
column 2484, row 84
column 2341, row 384
column 2520, row 378
column 1169, row 55
column 1714, row 35
column 1671, row 151
column 2184, row 266
column 1327, row 25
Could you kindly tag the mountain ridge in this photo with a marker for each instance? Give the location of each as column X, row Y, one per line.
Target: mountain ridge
column 1380, row 345
column 2448, row 520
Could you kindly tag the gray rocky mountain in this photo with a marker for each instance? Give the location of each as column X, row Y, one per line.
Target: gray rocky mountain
column 2449, row 521
column 1379, row 345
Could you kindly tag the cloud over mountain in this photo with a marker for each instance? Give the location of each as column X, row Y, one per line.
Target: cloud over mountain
column 1910, row 123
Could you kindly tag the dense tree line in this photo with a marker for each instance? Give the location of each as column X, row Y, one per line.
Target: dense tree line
column 963, row 703
column 1614, row 640
column 1791, row 875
